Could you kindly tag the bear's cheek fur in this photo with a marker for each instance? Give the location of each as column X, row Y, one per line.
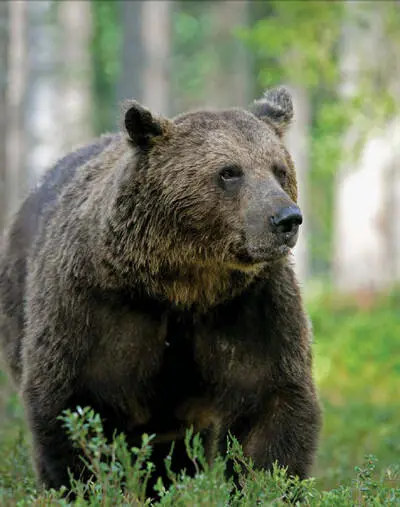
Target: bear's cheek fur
column 209, row 224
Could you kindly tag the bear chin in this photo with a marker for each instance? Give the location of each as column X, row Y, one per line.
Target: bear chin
column 253, row 261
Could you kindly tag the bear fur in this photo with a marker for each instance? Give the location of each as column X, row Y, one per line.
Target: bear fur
column 144, row 277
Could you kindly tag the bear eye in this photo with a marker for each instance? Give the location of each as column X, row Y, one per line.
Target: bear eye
column 230, row 173
column 282, row 174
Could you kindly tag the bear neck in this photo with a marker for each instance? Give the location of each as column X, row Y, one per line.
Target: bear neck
column 184, row 285
column 201, row 286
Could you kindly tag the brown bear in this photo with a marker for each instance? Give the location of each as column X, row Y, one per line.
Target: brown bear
column 149, row 277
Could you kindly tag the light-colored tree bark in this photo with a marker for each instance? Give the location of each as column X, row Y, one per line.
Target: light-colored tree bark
column 359, row 246
column 59, row 93
column 3, row 109
column 17, row 79
column 392, row 152
column 393, row 62
column 228, row 83
column 298, row 144
column 367, row 188
column 130, row 85
column 75, row 22
column 146, row 54
column 43, row 119
column 156, row 37
column 361, row 249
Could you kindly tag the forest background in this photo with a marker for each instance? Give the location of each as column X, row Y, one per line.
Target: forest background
column 66, row 65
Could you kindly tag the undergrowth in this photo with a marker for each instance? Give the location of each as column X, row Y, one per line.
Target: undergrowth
column 117, row 479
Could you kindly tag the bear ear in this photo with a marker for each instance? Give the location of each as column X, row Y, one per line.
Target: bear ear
column 276, row 108
column 140, row 124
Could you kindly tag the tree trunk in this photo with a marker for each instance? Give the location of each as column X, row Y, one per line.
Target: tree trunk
column 366, row 258
column 393, row 199
column 3, row 109
column 75, row 22
column 228, row 83
column 15, row 164
column 298, row 145
column 394, row 179
column 44, row 120
column 361, row 254
column 359, row 246
column 130, row 83
column 146, row 54
column 156, row 37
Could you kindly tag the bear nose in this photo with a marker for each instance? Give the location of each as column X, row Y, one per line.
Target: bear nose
column 287, row 220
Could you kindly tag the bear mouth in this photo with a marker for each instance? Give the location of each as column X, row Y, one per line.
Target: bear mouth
column 253, row 258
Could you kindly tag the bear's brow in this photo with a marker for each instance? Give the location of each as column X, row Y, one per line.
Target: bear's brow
column 241, row 120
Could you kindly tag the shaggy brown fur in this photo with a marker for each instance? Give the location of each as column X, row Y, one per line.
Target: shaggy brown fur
column 143, row 277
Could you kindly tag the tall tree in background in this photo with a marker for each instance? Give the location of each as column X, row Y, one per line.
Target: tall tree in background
column 58, row 96
column 366, row 228
column 17, row 80
column 211, row 64
column 298, row 144
column 44, row 122
column 156, row 36
column 3, row 109
column 75, row 22
column 227, row 83
column 146, row 54
column 132, row 54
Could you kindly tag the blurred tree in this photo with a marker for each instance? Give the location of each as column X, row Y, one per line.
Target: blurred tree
column 17, row 80
column 227, row 82
column 393, row 62
column 366, row 233
column 107, row 62
column 129, row 84
column 44, row 123
column 146, row 54
column 211, row 65
column 157, row 58
column 58, row 99
column 3, row 108
column 298, row 142
column 75, row 22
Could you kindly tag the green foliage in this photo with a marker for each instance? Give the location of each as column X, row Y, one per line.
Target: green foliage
column 365, row 334
column 296, row 42
column 358, row 373
column 16, row 477
column 197, row 68
column 193, row 59
column 116, row 478
column 119, row 480
column 106, row 57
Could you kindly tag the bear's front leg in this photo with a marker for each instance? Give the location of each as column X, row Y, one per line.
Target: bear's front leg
column 285, row 430
column 54, row 454
column 56, row 346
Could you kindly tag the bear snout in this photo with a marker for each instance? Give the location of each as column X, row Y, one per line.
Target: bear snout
column 286, row 223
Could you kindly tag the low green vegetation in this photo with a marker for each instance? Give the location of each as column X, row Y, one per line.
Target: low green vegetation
column 358, row 373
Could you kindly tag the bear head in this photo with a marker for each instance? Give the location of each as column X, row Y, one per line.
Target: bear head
column 207, row 190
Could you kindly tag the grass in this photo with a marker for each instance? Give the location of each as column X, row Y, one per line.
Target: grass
column 357, row 368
